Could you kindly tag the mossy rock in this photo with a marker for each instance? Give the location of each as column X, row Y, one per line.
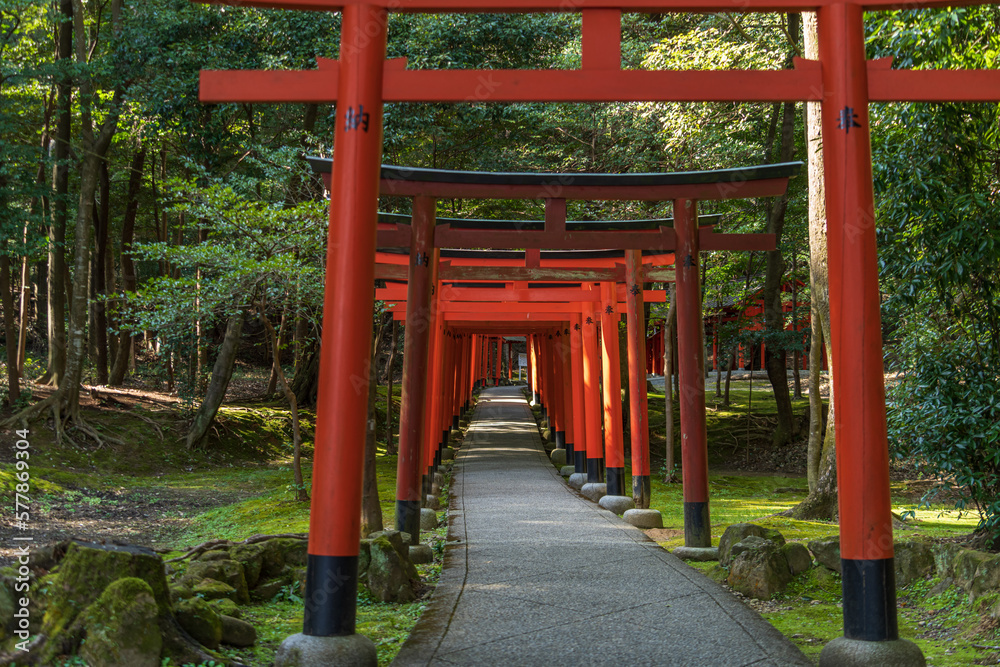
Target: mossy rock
column 737, row 532
column 201, row 621
column 987, row 579
column 400, row 541
column 83, row 576
column 912, row 560
column 210, row 589
column 121, row 627
column 282, row 551
column 389, row 575
column 251, row 557
column 214, row 554
column 760, row 571
column 826, row 551
column 237, row 633
column 825, row 578
column 227, row 571
column 944, row 559
column 798, row 557
column 966, row 563
column 225, row 607
column 364, row 557
column 88, row 569
column 180, row 592
column 266, row 590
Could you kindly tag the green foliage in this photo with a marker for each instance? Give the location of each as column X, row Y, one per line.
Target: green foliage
column 257, row 253
column 937, row 212
column 945, row 415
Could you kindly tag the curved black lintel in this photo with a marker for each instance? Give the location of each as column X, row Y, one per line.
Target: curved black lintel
column 705, row 220
column 734, row 175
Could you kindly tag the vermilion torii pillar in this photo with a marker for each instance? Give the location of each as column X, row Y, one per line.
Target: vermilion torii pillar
column 415, row 343
column 558, row 387
column 334, row 525
column 578, row 446
column 638, row 406
column 614, row 447
column 691, row 355
column 592, row 397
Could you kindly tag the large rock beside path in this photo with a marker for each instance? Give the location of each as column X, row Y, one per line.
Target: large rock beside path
column 759, row 569
column 737, row 532
column 826, row 551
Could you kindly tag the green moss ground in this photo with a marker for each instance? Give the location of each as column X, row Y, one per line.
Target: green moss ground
column 248, row 455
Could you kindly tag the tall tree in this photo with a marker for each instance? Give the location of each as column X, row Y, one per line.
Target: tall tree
column 774, row 276
column 821, row 468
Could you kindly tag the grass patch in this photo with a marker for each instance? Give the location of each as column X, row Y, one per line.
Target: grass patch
column 275, row 510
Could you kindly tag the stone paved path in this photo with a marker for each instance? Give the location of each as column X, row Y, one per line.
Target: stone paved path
column 538, row 575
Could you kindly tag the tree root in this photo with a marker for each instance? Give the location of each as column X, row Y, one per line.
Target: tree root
column 31, row 412
column 151, row 423
column 55, row 403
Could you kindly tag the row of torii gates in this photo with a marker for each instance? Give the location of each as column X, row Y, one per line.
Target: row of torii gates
column 842, row 80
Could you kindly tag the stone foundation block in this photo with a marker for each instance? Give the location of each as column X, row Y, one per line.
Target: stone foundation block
column 644, row 518
column 558, row 457
column 428, row 519
column 594, row 490
column 306, row 651
column 617, row 504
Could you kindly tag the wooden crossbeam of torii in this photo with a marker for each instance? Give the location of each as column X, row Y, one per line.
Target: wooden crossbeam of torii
column 556, row 232
column 447, row 293
column 842, row 80
column 527, row 267
column 803, row 83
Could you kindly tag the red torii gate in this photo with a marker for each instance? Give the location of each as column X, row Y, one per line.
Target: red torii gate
column 842, row 80
column 423, row 238
column 469, row 308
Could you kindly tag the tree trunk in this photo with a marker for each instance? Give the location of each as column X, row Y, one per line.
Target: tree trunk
column 222, row 371
column 124, row 351
column 305, row 384
column 668, row 385
column 390, row 444
column 775, row 356
column 729, row 377
column 821, row 503
column 797, row 355
column 76, row 347
column 623, row 371
column 300, row 487
column 94, row 148
column 102, row 216
column 56, row 298
column 272, row 383
column 7, row 303
column 371, row 509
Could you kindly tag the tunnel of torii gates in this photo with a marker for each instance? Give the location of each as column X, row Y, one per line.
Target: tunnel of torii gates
column 841, row 79
column 458, row 303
